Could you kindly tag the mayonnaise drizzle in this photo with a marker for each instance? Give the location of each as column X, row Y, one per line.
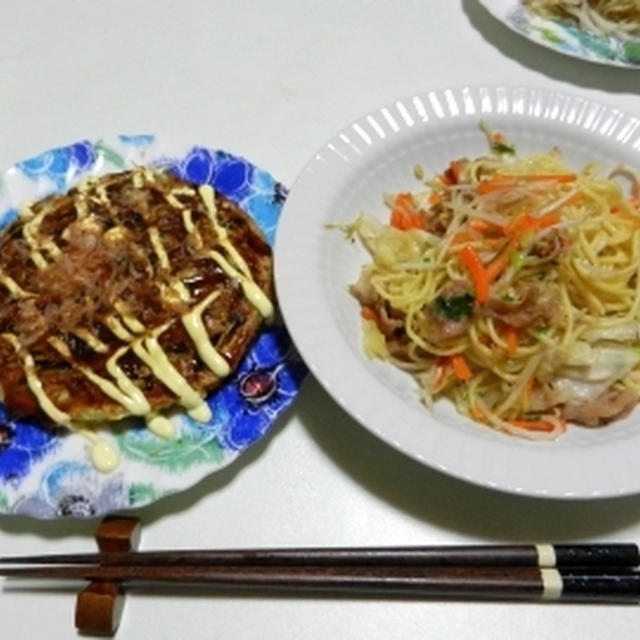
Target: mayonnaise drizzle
column 241, row 271
column 92, row 341
column 160, row 425
column 25, row 211
column 157, row 423
column 158, row 248
column 29, row 233
column 254, row 293
column 137, row 179
column 117, row 328
column 12, row 286
column 103, row 455
column 116, row 234
column 174, row 293
column 157, row 361
column 138, row 399
column 176, row 287
column 178, row 191
column 132, row 323
column 34, row 383
column 88, row 224
column 126, row 393
column 80, row 201
column 103, row 197
column 187, row 219
column 192, row 229
column 135, row 404
column 81, row 206
column 148, row 349
column 208, row 198
column 182, row 291
column 194, row 326
column 60, row 346
column 51, row 247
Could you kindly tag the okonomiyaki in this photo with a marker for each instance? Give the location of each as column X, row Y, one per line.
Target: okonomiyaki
column 132, row 293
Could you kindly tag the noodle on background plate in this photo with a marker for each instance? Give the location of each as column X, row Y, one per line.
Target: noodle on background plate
column 618, row 18
column 510, row 285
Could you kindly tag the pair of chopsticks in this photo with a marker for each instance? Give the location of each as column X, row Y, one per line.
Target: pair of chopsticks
column 561, row 573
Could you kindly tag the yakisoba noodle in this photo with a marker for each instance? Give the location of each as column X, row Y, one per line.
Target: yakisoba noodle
column 510, row 285
column 620, row 18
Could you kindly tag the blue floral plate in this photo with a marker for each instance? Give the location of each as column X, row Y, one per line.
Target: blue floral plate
column 46, row 473
column 564, row 36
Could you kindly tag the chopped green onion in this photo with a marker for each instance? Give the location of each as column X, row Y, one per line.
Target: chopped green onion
column 501, row 147
column 516, row 259
column 454, row 308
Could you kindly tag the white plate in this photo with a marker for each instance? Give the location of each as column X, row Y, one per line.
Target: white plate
column 314, row 266
column 564, row 36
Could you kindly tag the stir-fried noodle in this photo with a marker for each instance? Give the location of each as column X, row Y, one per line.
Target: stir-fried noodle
column 619, row 18
column 510, row 285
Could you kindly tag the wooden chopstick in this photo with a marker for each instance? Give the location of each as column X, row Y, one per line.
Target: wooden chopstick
column 485, row 583
column 541, row 555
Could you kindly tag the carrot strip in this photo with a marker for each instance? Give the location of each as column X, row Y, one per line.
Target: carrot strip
column 486, row 227
column 452, row 174
column 460, row 367
column 574, row 199
column 481, row 226
column 369, row 314
column 503, row 180
column 554, row 177
column 533, row 425
column 462, row 237
column 404, row 215
column 404, row 201
column 522, row 225
column 519, row 222
column 535, row 177
column 455, row 168
column 477, row 413
column 434, row 198
column 526, row 393
column 396, row 220
column 472, row 262
column 483, row 276
column 404, row 221
column 511, row 337
column 493, row 184
column 494, row 244
column 547, row 220
column 628, row 217
column 497, row 266
column 501, row 261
